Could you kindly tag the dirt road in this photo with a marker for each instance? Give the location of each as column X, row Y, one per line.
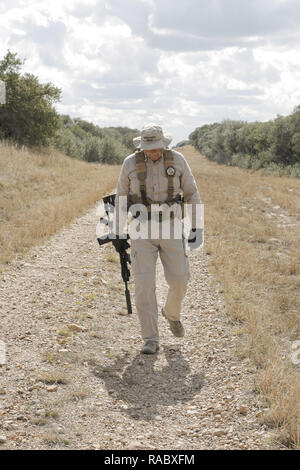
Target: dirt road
column 74, row 377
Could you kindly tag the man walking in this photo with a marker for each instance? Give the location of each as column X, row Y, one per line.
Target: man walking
column 155, row 175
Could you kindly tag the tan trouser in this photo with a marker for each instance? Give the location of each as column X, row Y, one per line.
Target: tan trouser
column 173, row 255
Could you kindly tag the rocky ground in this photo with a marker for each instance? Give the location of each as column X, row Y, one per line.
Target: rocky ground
column 74, row 377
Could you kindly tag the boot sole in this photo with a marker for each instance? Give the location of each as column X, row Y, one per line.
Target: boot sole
column 148, row 351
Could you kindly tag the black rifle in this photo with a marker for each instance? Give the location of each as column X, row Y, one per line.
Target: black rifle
column 109, row 204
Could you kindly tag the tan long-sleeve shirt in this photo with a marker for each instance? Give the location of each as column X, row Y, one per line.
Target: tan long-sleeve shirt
column 157, row 180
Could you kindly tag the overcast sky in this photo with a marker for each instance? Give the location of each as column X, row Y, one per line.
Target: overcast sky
column 179, row 63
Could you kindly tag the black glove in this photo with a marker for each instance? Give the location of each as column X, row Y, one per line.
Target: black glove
column 120, row 244
column 195, row 239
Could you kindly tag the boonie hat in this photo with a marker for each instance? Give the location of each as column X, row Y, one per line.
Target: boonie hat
column 152, row 137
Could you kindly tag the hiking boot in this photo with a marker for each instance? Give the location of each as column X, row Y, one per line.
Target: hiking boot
column 175, row 326
column 150, row 347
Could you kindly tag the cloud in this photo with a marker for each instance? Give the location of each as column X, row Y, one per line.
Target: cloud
column 242, row 65
column 111, row 94
column 126, row 62
column 220, row 23
column 200, row 25
column 49, row 41
column 135, row 13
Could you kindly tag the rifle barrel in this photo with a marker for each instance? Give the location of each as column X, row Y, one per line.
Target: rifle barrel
column 128, row 300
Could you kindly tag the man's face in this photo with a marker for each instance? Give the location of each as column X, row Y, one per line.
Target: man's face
column 154, row 154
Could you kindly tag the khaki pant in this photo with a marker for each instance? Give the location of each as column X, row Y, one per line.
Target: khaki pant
column 173, row 255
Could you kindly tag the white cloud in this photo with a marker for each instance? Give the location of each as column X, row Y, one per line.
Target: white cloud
column 126, row 62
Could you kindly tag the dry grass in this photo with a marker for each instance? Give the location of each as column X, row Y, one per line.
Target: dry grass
column 255, row 255
column 254, row 248
column 51, row 378
column 42, row 192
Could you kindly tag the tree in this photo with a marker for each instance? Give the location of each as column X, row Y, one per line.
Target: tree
column 89, row 127
column 93, row 149
column 112, row 151
column 281, row 138
column 28, row 116
column 295, row 124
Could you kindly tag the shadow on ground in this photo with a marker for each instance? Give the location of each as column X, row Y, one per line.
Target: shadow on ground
column 143, row 386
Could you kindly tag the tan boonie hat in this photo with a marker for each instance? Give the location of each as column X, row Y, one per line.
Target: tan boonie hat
column 152, row 137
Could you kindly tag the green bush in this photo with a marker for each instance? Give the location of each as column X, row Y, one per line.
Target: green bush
column 81, row 139
column 105, row 150
column 273, row 144
column 93, row 149
column 242, row 160
column 295, row 170
column 68, row 143
column 263, row 159
column 112, row 151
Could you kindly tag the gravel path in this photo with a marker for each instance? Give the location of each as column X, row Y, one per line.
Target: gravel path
column 74, row 377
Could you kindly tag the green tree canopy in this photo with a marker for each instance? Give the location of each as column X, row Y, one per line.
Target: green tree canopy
column 273, row 144
column 28, row 116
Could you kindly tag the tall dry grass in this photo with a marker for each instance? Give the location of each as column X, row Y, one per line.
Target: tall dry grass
column 252, row 227
column 42, row 192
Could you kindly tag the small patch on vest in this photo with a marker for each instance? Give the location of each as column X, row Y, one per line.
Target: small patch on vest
column 170, row 171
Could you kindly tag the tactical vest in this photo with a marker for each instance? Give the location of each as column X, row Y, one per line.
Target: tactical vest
column 141, row 170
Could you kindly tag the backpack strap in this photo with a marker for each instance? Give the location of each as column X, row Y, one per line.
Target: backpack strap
column 169, row 163
column 141, row 170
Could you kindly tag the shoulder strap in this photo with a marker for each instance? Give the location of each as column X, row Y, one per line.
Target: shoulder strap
column 141, row 170
column 169, row 161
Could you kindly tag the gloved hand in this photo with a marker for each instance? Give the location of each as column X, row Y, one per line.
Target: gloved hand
column 120, row 244
column 195, row 239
